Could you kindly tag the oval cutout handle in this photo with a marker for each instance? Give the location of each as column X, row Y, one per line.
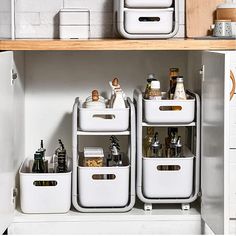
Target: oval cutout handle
column 149, row 19
column 103, row 177
column 168, row 167
column 105, row 117
column 170, row 108
column 45, row 183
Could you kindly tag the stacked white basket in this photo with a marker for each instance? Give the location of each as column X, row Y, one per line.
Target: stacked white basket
column 147, row 19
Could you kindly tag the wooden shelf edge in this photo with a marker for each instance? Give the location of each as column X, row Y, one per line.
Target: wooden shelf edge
column 116, row 44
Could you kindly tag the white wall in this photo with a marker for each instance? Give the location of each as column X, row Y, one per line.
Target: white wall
column 5, row 18
column 54, row 79
column 39, row 18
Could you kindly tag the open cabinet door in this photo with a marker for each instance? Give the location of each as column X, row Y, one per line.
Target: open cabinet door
column 215, row 140
column 7, row 176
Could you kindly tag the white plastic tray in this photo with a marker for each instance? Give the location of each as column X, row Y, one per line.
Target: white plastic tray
column 168, row 183
column 44, row 199
column 148, row 3
column 149, row 21
column 154, row 111
column 103, row 192
column 107, row 119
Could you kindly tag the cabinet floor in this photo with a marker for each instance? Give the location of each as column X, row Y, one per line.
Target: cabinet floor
column 162, row 219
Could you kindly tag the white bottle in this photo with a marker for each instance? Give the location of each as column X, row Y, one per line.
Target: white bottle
column 155, row 90
column 114, row 84
column 118, row 101
column 180, row 91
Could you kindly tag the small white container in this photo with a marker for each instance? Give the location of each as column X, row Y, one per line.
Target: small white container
column 168, row 183
column 74, row 23
column 97, row 191
column 149, row 21
column 44, row 199
column 107, row 119
column 158, row 111
column 148, row 3
column 74, row 31
column 71, row 16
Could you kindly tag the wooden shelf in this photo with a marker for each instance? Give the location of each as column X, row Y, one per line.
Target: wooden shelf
column 118, row 44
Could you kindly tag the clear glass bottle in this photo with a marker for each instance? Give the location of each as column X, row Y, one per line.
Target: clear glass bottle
column 174, row 73
column 155, row 91
column 151, row 77
column 180, row 91
column 147, row 142
column 156, row 147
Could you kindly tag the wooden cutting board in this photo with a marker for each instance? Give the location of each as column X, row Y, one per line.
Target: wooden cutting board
column 200, row 16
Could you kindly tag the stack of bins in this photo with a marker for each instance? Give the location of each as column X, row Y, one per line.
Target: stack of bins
column 147, row 19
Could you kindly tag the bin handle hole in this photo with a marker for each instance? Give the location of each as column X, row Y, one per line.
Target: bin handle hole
column 103, row 177
column 149, row 19
column 45, row 183
column 168, row 167
column 170, row 108
column 105, row 117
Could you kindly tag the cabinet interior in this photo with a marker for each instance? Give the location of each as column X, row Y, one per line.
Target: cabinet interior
column 48, row 83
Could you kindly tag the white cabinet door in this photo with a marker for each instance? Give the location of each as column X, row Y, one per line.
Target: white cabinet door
column 7, row 175
column 215, row 140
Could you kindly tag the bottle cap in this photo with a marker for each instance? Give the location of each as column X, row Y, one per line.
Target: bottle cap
column 115, row 82
column 155, row 84
column 180, row 79
column 151, row 77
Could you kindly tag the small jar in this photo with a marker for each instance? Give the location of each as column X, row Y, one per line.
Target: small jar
column 155, row 91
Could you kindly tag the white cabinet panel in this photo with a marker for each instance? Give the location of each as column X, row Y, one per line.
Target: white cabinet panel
column 215, row 144
column 233, row 122
column 7, row 174
column 232, row 227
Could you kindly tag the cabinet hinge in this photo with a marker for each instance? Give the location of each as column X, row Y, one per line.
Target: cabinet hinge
column 202, row 73
column 199, row 194
column 14, row 195
column 14, row 76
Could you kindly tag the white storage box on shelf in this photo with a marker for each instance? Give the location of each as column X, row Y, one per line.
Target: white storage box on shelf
column 159, row 183
column 149, row 21
column 103, row 186
column 158, row 111
column 44, row 199
column 107, row 119
column 74, row 23
column 148, row 3
column 136, row 19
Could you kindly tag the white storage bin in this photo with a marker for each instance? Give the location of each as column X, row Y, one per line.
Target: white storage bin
column 95, row 191
column 156, row 111
column 107, row 119
column 44, row 199
column 149, row 21
column 168, row 183
column 71, row 16
column 148, row 3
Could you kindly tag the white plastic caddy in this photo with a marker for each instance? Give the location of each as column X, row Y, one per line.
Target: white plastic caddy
column 104, row 189
column 168, row 185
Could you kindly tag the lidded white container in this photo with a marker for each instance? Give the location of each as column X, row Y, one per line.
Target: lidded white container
column 74, row 23
column 149, row 21
column 148, row 3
